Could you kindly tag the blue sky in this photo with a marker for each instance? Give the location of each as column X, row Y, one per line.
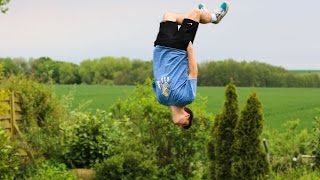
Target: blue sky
column 282, row 33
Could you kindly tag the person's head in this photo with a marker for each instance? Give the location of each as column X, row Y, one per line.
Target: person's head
column 190, row 119
column 182, row 116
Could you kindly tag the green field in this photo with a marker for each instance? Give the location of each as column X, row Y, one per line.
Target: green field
column 305, row 71
column 279, row 104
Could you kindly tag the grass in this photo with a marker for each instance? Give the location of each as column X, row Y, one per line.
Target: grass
column 93, row 96
column 305, row 71
column 279, row 104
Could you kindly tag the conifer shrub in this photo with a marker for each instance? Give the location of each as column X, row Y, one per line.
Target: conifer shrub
column 249, row 158
column 222, row 136
column 235, row 149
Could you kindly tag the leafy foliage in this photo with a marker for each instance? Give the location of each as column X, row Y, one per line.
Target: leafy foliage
column 41, row 115
column 35, row 99
column 235, row 150
column 9, row 161
column 127, row 165
column 286, row 145
column 315, row 144
column 137, row 140
column 211, row 148
column 122, row 71
column 4, row 107
column 249, row 158
column 253, row 74
column 4, row 94
column 3, row 4
column 178, row 153
column 223, row 137
column 92, row 138
column 49, row 170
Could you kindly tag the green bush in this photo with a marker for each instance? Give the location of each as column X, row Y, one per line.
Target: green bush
column 301, row 173
column 4, row 107
column 41, row 114
column 36, row 100
column 49, row 170
column 127, row 165
column 179, row 153
column 92, row 138
column 4, row 94
column 315, row 144
column 9, row 160
column 286, row 145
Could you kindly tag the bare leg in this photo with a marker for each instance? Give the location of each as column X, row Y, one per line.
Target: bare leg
column 197, row 15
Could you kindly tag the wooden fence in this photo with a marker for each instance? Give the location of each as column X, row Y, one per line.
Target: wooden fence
column 9, row 120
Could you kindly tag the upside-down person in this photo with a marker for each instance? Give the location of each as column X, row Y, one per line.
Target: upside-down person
column 174, row 63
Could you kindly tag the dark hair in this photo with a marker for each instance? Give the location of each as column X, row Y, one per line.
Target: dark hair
column 190, row 118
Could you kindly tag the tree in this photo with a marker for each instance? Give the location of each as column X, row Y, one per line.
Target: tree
column 69, row 73
column 223, row 137
column 45, row 69
column 3, row 4
column 9, row 67
column 249, row 158
column 108, row 67
column 139, row 71
column 87, row 71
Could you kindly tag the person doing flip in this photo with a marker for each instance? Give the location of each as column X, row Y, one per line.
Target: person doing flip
column 174, row 64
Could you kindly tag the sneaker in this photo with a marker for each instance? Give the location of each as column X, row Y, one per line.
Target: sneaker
column 202, row 7
column 221, row 12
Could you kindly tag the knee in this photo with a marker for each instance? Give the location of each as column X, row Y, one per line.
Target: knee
column 196, row 12
column 168, row 16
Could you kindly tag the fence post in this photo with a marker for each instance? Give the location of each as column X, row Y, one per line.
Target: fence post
column 12, row 114
column 266, row 148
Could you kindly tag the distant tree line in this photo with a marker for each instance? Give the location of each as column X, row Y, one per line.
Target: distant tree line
column 123, row 71
column 218, row 73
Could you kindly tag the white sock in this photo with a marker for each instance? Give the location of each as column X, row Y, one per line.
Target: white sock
column 214, row 17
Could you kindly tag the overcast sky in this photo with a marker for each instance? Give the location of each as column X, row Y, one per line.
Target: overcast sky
column 278, row 32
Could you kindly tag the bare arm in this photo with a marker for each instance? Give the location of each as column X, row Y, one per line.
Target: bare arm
column 193, row 67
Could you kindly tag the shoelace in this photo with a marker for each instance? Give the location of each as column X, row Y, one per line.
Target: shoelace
column 219, row 12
